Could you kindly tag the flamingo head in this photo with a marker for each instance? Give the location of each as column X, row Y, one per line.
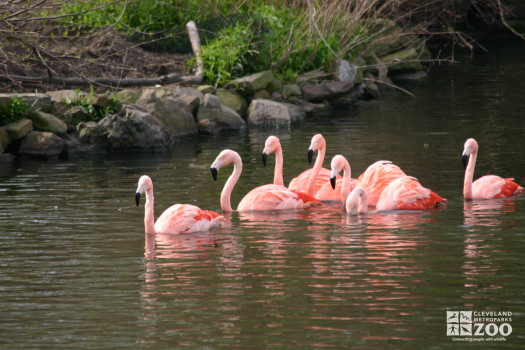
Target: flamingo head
column 318, row 142
column 337, row 165
column 145, row 184
column 224, row 158
column 471, row 147
column 271, row 145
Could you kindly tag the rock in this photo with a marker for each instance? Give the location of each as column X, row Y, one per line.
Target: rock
column 223, row 117
column 131, row 128
column 102, row 101
column 273, row 86
column 289, row 90
column 34, row 101
column 192, row 97
column 47, row 122
column 315, row 75
column 206, row 89
column 6, row 158
column 375, row 65
column 404, row 60
column 206, row 126
column 233, row 100
column 74, row 115
column 263, row 94
column 327, row 91
column 344, row 70
column 41, row 144
column 4, row 138
column 172, row 112
column 65, row 96
column 19, row 129
column 129, row 96
column 317, row 108
column 371, row 88
column 250, row 84
column 271, row 114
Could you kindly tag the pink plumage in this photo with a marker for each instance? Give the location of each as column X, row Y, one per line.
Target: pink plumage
column 377, row 177
column 406, row 193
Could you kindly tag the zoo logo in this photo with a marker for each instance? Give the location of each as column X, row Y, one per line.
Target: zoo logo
column 461, row 323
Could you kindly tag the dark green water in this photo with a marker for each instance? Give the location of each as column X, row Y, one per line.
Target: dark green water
column 76, row 271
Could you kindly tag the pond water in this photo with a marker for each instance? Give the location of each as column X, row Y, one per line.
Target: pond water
column 78, row 272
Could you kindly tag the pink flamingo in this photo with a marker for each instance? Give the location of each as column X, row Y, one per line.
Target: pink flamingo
column 311, row 180
column 406, row 193
column 356, row 202
column 488, row 186
column 262, row 198
column 377, row 177
column 347, row 184
column 179, row 218
column 273, row 145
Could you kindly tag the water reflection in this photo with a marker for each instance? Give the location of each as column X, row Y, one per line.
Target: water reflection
column 486, row 212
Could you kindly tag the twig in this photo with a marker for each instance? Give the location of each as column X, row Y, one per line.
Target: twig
column 391, row 85
column 506, row 24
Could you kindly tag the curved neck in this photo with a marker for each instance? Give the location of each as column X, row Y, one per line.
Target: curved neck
column 278, row 170
column 149, row 218
column 345, row 186
column 230, row 184
column 357, row 202
column 469, row 176
column 310, row 187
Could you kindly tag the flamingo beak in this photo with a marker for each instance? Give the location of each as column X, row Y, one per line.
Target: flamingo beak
column 332, row 182
column 264, row 158
column 137, row 198
column 465, row 160
column 310, row 155
column 214, row 173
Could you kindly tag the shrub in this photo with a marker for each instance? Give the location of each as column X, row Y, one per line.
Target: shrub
column 14, row 111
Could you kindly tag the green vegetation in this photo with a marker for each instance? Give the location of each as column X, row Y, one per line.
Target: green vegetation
column 13, row 111
column 94, row 111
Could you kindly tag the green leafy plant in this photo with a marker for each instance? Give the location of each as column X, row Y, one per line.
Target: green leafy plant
column 13, row 111
column 94, row 112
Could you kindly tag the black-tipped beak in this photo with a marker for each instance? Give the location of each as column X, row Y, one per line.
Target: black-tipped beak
column 214, row 173
column 465, row 160
column 137, row 198
column 310, row 155
column 332, row 182
column 264, row 158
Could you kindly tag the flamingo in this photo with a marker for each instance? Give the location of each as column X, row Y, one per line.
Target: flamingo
column 311, row 180
column 273, row 145
column 356, row 202
column 179, row 218
column 377, row 177
column 347, row 184
column 262, row 198
column 406, row 193
column 488, row 186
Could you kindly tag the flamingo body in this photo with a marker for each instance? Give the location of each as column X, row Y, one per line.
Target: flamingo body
column 488, row 186
column 275, row 197
column 406, row 193
column 377, row 177
column 179, row 218
column 182, row 218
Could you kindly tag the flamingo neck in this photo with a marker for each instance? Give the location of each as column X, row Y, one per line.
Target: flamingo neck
column 469, row 176
column 345, row 186
column 310, row 187
column 230, row 184
column 149, row 218
column 357, row 202
column 278, row 170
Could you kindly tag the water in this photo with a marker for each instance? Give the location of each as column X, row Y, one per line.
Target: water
column 77, row 271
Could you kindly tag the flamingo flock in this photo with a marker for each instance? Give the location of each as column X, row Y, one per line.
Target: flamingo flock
column 383, row 186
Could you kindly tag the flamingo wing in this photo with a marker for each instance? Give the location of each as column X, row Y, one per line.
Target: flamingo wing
column 180, row 218
column 275, row 197
column 406, row 193
column 327, row 193
column 493, row 186
column 377, row 177
column 300, row 182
